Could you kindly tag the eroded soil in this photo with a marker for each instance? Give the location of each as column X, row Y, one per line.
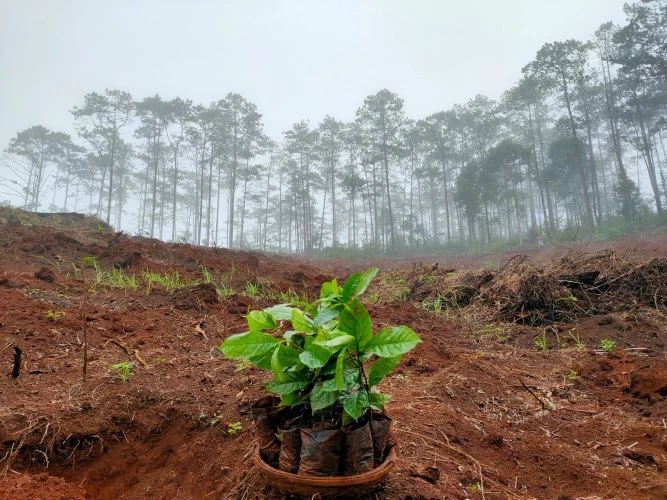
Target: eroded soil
column 479, row 410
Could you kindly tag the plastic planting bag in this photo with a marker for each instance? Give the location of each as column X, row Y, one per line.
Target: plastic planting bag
column 290, row 449
column 382, row 435
column 320, row 450
column 357, row 450
column 266, row 414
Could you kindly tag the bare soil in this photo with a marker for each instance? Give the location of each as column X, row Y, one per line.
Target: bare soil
column 479, row 411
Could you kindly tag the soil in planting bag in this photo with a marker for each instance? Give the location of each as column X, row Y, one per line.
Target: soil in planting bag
column 382, row 434
column 290, row 449
column 320, row 450
column 266, row 413
column 357, row 450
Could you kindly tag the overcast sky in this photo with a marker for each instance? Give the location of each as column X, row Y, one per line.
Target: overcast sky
column 294, row 59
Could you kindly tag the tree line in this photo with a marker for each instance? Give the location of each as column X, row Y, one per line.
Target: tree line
column 555, row 151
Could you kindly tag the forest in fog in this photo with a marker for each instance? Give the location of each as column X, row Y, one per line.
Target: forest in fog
column 577, row 142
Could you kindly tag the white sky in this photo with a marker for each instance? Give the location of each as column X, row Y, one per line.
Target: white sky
column 294, row 59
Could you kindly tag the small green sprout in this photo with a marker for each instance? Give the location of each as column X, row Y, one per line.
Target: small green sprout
column 607, row 345
column 234, row 428
column 243, row 365
column 54, row 316
column 124, row 370
column 541, row 341
column 571, row 375
column 251, row 290
column 89, row 261
column 578, row 342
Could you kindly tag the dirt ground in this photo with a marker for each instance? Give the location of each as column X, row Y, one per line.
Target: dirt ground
column 479, row 409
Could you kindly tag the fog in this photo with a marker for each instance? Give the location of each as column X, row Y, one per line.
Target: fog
column 295, row 59
column 334, row 127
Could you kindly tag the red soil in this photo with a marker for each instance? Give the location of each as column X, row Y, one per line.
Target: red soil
column 475, row 418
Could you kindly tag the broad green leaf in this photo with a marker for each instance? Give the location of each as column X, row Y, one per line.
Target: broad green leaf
column 288, row 358
column 340, row 364
column 315, row 356
column 248, row 345
column 262, row 361
column 356, row 403
column 350, row 287
column 337, row 341
column 320, row 398
column 293, row 399
column 355, row 320
column 260, row 320
column 351, row 378
column 280, row 312
column 292, row 381
column 301, row 322
column 380, row 367
column 283, row 359
column 365, row 280
column 276, row 368
column 393, row 341
column 377, row 400
column 330, row 385
column 329, row 289
column 325, row 315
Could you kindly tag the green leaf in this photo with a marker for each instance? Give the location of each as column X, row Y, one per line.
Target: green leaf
column 350, row 287
column 284, row 358
column 289, row 358
column 337, row 341
column 315, row 356
column 320, row 398
column 293, row 399
column 377, row 400
column 355, row 320
column 330, row 385
column 365, row 280
column 248, row 345
column 301, row 322
column 260, row 320
column 262, row 361
column 329, row 289
column 356, row 403
column 280, row 312
column 340, row 363
column 325, row 315
column 292, row 381
column 276, row 368
column 381, row 367
column 357, row 284
column 393, row 341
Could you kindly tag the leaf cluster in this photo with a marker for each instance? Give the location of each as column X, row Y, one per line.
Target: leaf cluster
column 330, row 355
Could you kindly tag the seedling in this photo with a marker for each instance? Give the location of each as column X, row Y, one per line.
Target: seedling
column 242, row 365
column 568, row 297
column 251, row 290
column 224, row 291
column 54, row 316
column 607, row 345
column 329, row 355
column 571, row 375
column 124, row 370
column 234, row 428
column 89, row 261
column 541, row 341
column 578, row 342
